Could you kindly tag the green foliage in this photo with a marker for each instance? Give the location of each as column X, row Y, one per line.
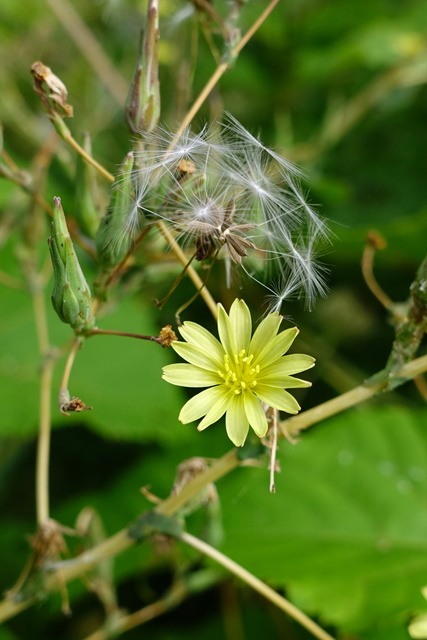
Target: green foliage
column 346, row 531
column 340, row 89
column 105, row 363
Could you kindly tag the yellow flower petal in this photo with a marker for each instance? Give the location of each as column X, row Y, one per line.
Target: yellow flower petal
column 288, row 365
column 200, row 404
column 264, row 333
column 277, row 398
column 218, row 409
column 200, row 337
column 225, row 331
column 240, row 319
column 187, row 375
column 195, row 356
column 276, row 347
column 282, row 382
column 236, row 422
column 255, row 414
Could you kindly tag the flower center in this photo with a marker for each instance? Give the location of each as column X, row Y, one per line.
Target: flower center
column 238, row 372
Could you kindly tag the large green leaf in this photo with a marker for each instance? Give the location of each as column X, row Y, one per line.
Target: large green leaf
column 119, row 377
column 346, row 532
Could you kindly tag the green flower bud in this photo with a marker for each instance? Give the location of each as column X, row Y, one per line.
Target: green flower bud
column 71, row 297
column 86, row 202
column 112, row 240
column 143, row 106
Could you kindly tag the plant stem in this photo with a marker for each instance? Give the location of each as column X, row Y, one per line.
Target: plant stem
column 220, row 70
column 43, row 445
column 194, row 276
column 69, row 364
column 373, row 243
column 125, row 334
column 349, row 399
column 62, row 572
column 88, row 158
column 256, row 584
column 151, row 611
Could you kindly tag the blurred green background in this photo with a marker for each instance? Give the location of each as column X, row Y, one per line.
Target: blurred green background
column 340, row 89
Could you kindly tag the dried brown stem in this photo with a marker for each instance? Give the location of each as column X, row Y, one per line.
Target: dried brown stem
column 373, row 243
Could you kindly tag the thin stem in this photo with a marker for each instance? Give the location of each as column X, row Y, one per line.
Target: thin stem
column 160, row 303
column 205, row 6
column 77, row 343
column 41, row 321
column 374, row 243
column 125, row 334
column 256, row 584
column 275, row 429
column 121, row 264
column 192, row 273
column 73, row 143
column 349, row 399
column 125, row 623
column 65, row 571
column 197, row 294
column 43, row 445
column 220, row 70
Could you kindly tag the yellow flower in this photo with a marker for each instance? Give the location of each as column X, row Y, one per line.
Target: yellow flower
column 240, row 371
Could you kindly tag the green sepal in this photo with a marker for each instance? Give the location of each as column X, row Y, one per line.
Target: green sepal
column 152, row 522
column 113, row 239
column 59, row 279
column 86, row 207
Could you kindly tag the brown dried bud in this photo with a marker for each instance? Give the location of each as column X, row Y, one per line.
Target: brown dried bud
column 54, row 98
column 167, row 336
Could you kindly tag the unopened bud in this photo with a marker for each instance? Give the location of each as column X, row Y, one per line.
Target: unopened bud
column 112, row 241
column 71, row 297
column 143, row 106
column 86, row 202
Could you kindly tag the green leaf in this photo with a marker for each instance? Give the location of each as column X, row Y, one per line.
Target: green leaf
column 119, row 377
column 346, row 532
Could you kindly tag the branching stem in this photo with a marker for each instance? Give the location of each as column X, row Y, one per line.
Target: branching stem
column 65, row 571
